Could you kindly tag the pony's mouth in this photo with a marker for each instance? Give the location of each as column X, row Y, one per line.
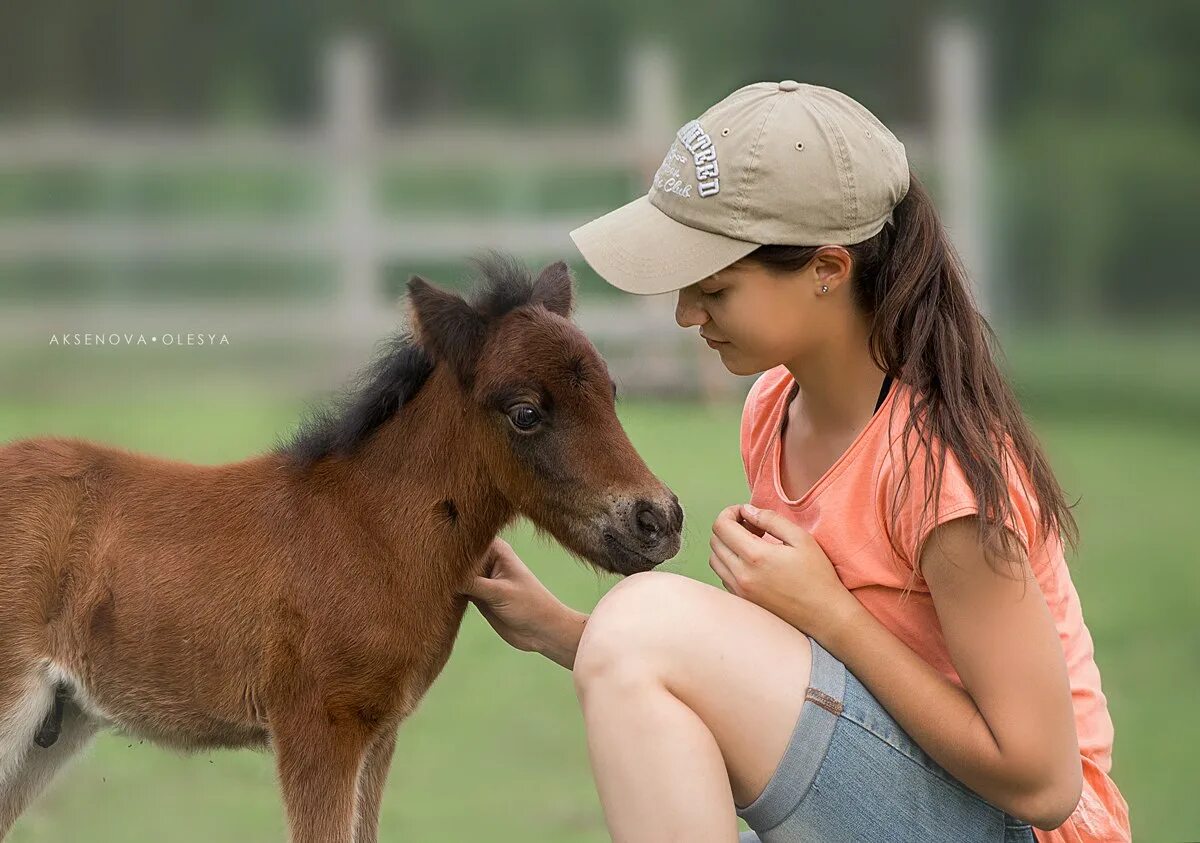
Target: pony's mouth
column 623, row 559
column 619, row 542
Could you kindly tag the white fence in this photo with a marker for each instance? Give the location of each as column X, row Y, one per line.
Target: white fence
column 350, row 148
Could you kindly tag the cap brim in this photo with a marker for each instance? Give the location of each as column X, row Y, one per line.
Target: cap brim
column 639, row 249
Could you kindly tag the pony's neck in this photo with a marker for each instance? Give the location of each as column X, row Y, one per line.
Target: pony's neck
column 419, row 483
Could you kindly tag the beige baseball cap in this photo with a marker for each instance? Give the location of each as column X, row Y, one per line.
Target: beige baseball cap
column 773, row 163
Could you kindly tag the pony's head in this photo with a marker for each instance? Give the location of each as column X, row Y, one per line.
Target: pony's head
column 544, row 415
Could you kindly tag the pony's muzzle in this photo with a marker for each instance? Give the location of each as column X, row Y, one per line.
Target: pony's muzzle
column 654, row 523
column 644, row 533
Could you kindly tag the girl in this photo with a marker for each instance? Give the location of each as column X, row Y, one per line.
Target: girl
column 901, row 653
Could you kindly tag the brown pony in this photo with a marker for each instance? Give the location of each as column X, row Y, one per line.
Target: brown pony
column 303, row 600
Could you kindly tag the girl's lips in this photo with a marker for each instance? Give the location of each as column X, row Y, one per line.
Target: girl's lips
column 714, row 343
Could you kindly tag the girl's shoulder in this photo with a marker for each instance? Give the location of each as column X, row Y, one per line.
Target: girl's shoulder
column 763, row 403
column 922, row 484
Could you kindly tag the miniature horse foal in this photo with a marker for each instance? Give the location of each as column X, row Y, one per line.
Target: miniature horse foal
column 303, row 600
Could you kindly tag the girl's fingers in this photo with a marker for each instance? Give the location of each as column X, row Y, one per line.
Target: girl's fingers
column 507, row 562
column 483, row 588
column 489, row 559
column 736, row 537
column 729, row 514
column 722, row 552
column 752, row 528
column 723, row 573
column 774, row 523
column 724, row 562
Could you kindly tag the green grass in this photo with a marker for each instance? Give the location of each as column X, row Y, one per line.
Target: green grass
column 496, row 751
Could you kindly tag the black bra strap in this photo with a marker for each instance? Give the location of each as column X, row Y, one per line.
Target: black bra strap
column 887, row 382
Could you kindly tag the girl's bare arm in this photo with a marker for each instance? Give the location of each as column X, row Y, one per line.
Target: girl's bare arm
column 1009, row 733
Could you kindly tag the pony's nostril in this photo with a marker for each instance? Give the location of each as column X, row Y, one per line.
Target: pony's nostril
column 649, row 522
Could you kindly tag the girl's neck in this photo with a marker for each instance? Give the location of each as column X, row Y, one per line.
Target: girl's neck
column 838, row 386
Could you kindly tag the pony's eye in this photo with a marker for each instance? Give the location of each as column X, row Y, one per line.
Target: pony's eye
column 524, row 417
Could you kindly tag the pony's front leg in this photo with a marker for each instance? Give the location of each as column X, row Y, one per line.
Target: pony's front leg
column 318, row 757
column 370, row 786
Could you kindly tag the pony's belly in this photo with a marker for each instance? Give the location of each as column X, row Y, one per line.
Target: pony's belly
column 162, row 678
column 195, row 734
column 147, row 714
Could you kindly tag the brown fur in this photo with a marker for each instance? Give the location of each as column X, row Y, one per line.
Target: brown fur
column 303, row 605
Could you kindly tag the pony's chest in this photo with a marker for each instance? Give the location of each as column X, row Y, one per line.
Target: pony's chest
column 394, row 642
column 381, row 674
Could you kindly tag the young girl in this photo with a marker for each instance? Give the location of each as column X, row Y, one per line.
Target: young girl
column 899, row 652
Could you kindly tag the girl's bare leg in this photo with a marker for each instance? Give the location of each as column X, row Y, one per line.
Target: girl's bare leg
column 690, row 696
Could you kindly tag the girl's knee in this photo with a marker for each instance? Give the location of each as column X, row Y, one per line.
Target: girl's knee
column 619, row 642
column 636, row 587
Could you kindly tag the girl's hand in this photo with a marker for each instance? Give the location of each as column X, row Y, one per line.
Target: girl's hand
column 522, row 610
column 763, row 557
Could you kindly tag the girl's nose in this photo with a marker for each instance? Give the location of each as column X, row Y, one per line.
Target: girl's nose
column 688, row 311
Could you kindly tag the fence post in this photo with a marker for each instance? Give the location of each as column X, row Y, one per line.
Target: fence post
column 653, row 97
column 350, row 115
column 655, row 114
column 958, row 143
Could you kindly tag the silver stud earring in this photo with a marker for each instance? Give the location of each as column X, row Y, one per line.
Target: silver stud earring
column 824, row 288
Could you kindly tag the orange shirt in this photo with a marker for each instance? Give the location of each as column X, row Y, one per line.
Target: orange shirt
column 848, row 512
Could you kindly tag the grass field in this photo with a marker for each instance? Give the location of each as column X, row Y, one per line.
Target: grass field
column 496, row 752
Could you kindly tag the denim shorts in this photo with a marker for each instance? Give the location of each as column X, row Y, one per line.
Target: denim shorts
column 851, row 773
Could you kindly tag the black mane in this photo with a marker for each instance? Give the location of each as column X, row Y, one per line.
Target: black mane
column 398, row 373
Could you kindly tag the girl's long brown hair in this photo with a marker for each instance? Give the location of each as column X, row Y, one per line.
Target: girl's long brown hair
column 927, row 332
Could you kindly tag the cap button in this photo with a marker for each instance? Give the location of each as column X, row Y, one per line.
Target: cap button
column 789, row 85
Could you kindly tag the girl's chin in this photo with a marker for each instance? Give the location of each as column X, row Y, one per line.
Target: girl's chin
column 736, row 363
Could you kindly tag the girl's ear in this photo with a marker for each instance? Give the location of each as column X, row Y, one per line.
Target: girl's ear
column 832, row 265
column 447, row 327
column 554, row 288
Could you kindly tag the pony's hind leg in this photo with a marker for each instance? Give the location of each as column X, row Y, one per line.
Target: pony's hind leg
column 39, row 764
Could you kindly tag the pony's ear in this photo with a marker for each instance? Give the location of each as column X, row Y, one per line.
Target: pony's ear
column 447, row 327
column 555, row 289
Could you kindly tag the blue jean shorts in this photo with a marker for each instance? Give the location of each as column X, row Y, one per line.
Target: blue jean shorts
column 850, row 773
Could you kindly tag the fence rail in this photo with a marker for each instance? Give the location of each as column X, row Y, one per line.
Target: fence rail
column 350, row 150
column 416, row 237
column 73, row 143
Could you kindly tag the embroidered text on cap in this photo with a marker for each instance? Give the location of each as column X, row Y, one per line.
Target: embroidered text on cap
column 704, row 155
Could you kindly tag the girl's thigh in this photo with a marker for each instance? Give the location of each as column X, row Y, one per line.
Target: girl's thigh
column 850, row 773
column 741, row 669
